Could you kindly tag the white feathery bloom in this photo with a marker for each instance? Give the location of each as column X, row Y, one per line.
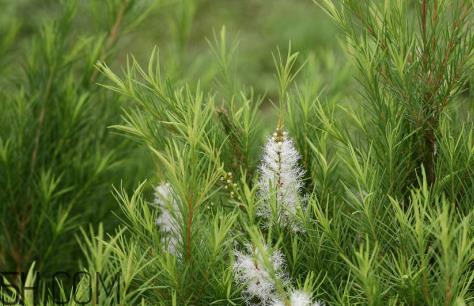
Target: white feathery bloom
column 298, row 298
column 301, row 298
column 166, row 221
column 280, row 173
column 250, row 271
column 278, row 303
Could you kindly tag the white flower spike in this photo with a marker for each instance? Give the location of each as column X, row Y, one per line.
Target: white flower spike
column 251, row 272
column 166, row 222
column 298, row 298
column 280, row 173
column 301, row 298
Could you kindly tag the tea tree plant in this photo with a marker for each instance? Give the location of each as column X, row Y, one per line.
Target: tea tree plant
column 377, row 223
column 353, row 193
column 360, row 204
column 412, row 69
column 56, row 157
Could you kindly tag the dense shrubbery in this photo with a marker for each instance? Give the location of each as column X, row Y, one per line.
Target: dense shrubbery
column 57, row 159
column 324, row 191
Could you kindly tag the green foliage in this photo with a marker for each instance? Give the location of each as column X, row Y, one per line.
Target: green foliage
column 384, row 207
column 412, row 66
column 57, row 158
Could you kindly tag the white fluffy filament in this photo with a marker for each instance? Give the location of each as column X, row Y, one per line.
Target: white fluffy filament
column 251, row 272
column 166, row 221
column 298, row 298
column 281, row 179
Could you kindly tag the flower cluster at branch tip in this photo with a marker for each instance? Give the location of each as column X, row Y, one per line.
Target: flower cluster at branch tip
column 298, row 298
column 166, row 221
column 251, row 272
column 228, row 180
column 281, row 178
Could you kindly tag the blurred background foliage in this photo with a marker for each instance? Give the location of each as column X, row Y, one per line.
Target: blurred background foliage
column 181, row 28
column 54, row 181
column 54, row 130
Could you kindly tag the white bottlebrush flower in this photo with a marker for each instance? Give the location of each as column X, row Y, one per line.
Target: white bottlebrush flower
column 301, row 298
column 278, row 303
column 251, row 272
column 166, row 221
column 298, row 298
column 281, row 174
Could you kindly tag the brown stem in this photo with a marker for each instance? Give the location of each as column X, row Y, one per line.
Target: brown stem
column 188, row 228
column 423, row 17
column 24, row 219
column 448, row 293
column 16, row 253
column 429, row 146
column 426, row 286
column 430, row 159
column 112, row 38
column 234, row 134
column 370, row 30
column 435, row 79
column 449, row 50
column 42, row 114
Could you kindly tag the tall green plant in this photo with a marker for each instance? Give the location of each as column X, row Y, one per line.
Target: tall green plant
column 333, row 199
column 351, row 212
column 414, row 62
column 57, row 158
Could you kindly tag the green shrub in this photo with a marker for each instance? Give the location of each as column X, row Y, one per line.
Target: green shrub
column 57, row 159
column 322, row 191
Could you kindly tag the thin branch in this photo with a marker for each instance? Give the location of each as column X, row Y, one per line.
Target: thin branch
column 112, row 38
column 34, row 154
column 188, row 228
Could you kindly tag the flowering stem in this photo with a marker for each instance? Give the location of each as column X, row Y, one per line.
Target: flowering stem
column 188, row 228
column 279, row 140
